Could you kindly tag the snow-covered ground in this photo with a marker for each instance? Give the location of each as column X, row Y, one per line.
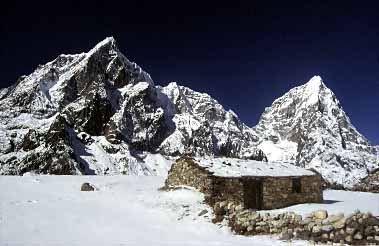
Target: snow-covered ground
column 337, row 201
column 127, row 210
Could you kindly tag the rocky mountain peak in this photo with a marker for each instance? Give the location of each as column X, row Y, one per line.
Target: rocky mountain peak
column 309, row 127
column 315, row 83
column 104, row 48
column 98, row 112
column 107, row 42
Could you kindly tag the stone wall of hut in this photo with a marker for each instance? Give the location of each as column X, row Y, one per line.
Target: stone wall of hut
column 226, row 189
column 278, row 191
column 186, row 172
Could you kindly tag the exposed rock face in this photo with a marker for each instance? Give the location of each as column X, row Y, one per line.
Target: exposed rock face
column 308, row 126
column 128, row 120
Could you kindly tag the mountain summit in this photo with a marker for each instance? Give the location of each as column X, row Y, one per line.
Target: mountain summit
column 308, row 126
column 100, row 113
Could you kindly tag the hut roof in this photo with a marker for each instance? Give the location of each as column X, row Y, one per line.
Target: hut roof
column 230, row 167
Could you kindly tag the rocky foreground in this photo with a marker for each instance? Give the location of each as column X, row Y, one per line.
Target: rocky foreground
column 356, row 229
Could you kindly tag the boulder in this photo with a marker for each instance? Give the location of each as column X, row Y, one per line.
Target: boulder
column 316, row 230
column 230, row 206
column 310, row 226
column 348, row 238
column 203, row 212
column 223, row 204
column 371, row 221
column 325, row 236
column 331, row 236
column 278, row 224
column 238, row 208
column 327, row 228
column 297, row 218
column 306, row 221
column 334, row 218
column 339, row 224
column 87, row 187
column 320, row 214
column 358, row 236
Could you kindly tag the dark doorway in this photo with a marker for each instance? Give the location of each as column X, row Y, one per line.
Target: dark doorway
column 296, row 185
column 252, row 193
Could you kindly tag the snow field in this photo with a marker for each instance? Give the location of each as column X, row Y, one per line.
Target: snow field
column 127, row 210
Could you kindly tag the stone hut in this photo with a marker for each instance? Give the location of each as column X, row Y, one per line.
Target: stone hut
column 254, row 184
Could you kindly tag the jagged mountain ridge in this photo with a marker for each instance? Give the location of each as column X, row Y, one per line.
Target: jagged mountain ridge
column 308, row 126
column 99, row 113
column 79, row 110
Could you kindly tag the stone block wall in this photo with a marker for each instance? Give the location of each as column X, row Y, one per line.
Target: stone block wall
column 186, row 172
column 227, row 189
column 277, row 191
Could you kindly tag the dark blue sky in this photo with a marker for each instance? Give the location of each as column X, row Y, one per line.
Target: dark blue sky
column 245, row 61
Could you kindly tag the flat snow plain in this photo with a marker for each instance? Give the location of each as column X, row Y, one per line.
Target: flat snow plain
column 129, row 210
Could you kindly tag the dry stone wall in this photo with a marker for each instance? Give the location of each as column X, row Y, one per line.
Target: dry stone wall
column 355, row 229
column 226, row 189
column 186, row 172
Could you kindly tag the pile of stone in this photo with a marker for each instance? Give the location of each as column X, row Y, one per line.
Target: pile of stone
column 356, row 229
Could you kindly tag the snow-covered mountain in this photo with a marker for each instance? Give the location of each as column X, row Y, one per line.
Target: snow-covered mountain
column 308, row 126
column 99, row 113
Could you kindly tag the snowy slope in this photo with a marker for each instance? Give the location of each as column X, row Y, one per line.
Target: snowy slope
column 308, row 126
column 51, row 210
